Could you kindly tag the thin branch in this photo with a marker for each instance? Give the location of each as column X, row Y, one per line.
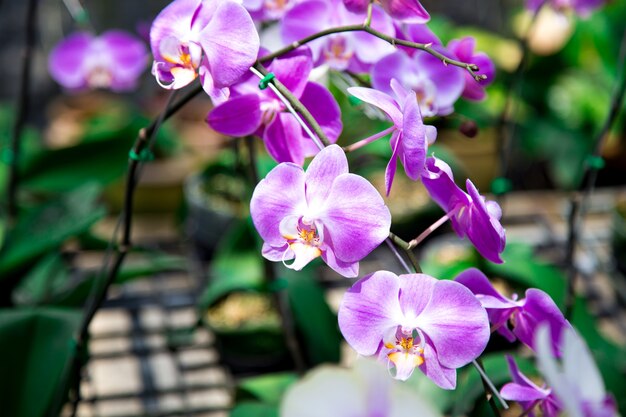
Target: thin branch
column 143, row 141
column 579, row 199
column 471, row 68
column 505, row 127
column 13, row 151
column 490, row 389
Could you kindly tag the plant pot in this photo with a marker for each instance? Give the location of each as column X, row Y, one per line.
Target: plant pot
column 248, row 334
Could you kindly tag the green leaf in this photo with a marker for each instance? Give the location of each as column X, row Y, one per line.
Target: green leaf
column 268, row 389
column 237, row 264
column 523, row 267
column 36, row 361
column 48, row 226
column 313, row 317
column 49, row 282
column 254, row 409
column 448, row 258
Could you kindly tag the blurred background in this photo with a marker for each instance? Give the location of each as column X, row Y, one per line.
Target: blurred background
column 193, row 314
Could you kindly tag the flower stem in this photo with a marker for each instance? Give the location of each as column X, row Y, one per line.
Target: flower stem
column 294, row 106
column 413, row 243
column 471, row 68
column 400, row 258
column 408, row 251
column 371, row 139
column 578, row 201
column 12, row 153
column 143, row 141
column 490, row 388
column 368, row 19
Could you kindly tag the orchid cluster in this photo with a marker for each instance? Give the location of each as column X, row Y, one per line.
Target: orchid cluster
column 406, row 321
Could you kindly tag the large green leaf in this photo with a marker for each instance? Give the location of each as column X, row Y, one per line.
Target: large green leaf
column 48, row 226
column 36, row 352
column 254, row 409
column 236, row 266
column 314, row 320
column 101, row 156
column 50, row 282
column 524, row 268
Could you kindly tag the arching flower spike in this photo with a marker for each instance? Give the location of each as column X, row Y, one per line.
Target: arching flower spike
column 325, row 212
column 414, row 321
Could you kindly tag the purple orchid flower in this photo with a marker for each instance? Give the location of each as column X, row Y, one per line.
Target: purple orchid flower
column 583, row 8
column 251, row 110
column 464, row 49
column 350, row 50
column 524, row 315
column 528, row 394
column 268, row 10
column 363, row 390
column 113, row 60
column 410, row 137
column 414, row 321
column 405, row 11
column 576, row 382
column 325, row 212
column 437, row 86
column 215, row 39
column 469, row 213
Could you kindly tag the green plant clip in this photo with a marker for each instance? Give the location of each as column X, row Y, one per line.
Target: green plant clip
column 7, row 156
column 501, row 185
column 277, row 285
column 595, row 162
column 265, row 81
column 143, row 156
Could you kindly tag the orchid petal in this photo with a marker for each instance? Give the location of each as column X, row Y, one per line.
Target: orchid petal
column 442, row 376
column 381, row 100
column 357, row 217
column 456, row 323
column 413, row 147
column 66, row 60
column 368, row 309
column 540, row 308
column 329, row 164
column 406, row 11
column 279, row 195
column 392, row 165
column 239, row 116
column 415, row 293
column 278, row 138
column 325, row 110
column 230, row 42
